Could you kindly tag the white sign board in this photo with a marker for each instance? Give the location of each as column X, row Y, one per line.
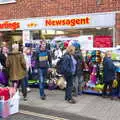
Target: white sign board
column 86, row 42
column 60, row 22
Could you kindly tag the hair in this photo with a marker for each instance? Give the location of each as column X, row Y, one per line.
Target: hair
column 70, row 49
column 108, row 53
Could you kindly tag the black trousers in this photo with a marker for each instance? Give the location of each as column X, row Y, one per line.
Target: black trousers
column 107, row 84
column 69, row 87
column 17, row 83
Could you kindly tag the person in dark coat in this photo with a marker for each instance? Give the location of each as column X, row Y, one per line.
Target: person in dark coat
column 68, row 75
column 108, row 73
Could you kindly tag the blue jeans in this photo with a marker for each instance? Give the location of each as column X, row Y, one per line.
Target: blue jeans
column 69, row 87
column 27, row 78
column 42, row 79
column 77, row 84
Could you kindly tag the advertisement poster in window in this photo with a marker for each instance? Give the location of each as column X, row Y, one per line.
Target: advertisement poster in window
column 103, row 42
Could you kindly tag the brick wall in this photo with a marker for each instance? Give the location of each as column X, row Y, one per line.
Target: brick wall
column 118, row 29
column 38, row 8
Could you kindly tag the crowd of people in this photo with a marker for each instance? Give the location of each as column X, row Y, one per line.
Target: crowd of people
column 17, row 66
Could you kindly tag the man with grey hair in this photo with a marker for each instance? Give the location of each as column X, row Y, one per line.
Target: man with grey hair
column 108, row 73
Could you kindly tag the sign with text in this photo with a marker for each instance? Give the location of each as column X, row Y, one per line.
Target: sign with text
column 67, row 22
column 60, row 22
column 9, row 25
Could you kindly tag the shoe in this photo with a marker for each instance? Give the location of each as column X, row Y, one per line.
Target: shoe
column 104, row 96
column 113, row 98
column 74, row 95
column 72, row 101
column 79, row 93
column 43, row 97
column 66, row 99
column 118, row 98
column 25, row 98
column 28, row 89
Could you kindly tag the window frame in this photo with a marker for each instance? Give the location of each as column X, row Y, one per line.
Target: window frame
column 10, row 1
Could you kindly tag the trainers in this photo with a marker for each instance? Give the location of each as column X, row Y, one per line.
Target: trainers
column 28, row 89
column 72, row 101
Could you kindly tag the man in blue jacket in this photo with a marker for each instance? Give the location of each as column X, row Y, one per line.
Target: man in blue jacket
column 44, row 63
column 108, row 73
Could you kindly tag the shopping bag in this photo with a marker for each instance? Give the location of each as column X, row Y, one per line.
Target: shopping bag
column 115, row 84
column 10, row 106
column 4, row 108
column 4, row 92
column 14, row 103
column 61, row 83
column 52, row 84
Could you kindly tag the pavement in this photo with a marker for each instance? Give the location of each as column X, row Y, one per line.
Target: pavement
column 87, row 106
column 38, row 115
column 25, row 117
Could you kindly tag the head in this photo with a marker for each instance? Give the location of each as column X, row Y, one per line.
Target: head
column 4, row 44
column 4, row 50
column 27, row 50
column 108, row 54
column 43, row 46
column 71, row 50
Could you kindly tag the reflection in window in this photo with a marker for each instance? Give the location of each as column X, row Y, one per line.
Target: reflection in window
column 6, row 1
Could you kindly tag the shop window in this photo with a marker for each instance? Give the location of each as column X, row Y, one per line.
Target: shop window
column 36, row 35
column 7, row 1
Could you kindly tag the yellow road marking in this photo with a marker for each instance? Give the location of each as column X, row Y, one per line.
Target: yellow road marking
column 42, row 115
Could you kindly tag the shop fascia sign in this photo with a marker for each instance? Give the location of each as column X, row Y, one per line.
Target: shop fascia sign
column 9, row 25
column 68, row 22
column 32, row 25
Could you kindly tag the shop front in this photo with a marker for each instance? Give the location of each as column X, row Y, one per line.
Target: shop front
column 92, row 31
column 99, row 25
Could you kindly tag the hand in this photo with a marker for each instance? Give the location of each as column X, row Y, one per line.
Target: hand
column 49, row 69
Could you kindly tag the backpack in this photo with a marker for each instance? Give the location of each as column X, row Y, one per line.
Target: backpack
column 61, row 66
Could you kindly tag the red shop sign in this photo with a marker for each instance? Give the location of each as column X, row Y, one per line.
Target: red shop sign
column 102, row 42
